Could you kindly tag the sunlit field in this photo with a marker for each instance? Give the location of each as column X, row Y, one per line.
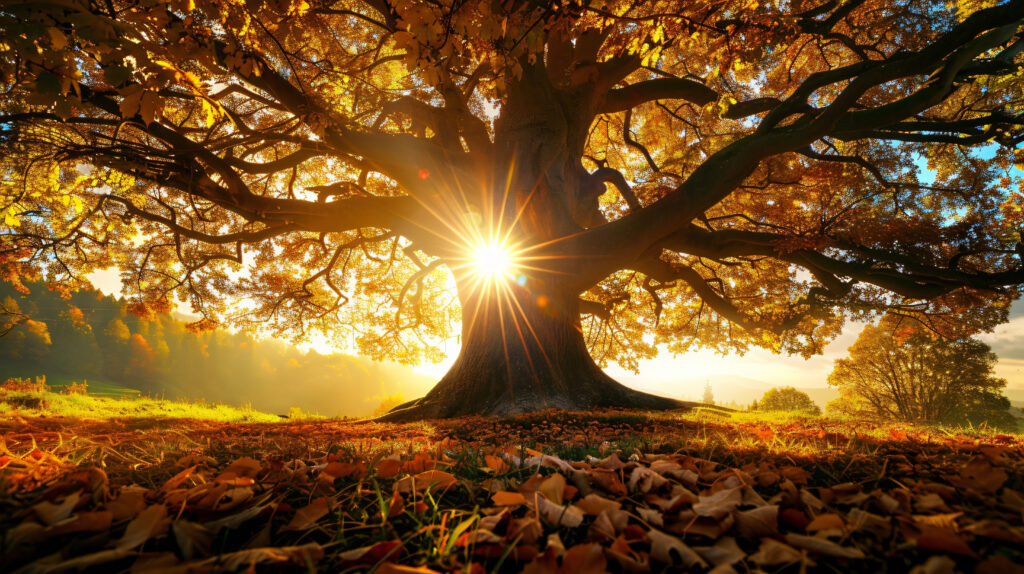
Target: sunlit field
column 155, row 485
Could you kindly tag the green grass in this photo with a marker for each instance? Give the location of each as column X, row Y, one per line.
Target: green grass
column 109, row 406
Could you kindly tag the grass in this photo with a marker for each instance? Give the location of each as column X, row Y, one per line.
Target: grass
column 111, row 403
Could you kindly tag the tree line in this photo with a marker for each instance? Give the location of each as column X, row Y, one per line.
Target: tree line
column 91, row 336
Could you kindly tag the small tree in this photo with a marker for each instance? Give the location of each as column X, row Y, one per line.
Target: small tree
column 904, row 373
column 709, row 397
column 787, row 399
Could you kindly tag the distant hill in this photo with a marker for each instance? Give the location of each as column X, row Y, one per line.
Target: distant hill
column 91, row 337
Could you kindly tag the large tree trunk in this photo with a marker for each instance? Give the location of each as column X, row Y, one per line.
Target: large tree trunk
column 522, row 351
column 522, row 345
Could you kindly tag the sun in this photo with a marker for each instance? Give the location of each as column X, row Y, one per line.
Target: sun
column 492, row 260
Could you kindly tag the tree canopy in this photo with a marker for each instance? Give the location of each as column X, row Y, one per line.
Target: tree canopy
column 725, row 173
column 900, row 372
column 787, row 399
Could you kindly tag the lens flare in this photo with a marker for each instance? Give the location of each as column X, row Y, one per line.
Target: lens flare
column 492, row 260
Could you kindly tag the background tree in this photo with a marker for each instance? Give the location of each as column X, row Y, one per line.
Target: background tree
column 787, row 399
column 900, row 372
column 563, row 177
column 709, row 396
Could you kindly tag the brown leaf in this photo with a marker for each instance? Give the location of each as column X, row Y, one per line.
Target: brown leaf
column 644, row 480
column 388, row 468
column 823, row 546
column 724, row 552
column 149, row 523
column 558, row 515
column 669, row 549
column 344, row 470
column 980, row 475
column 178, row 479
column 758, row 522
column 943, row 540
column 306, row 517
column 193, row 539
column 244, row 467
column 130, row 501
column 311, row 552
column 720, row 504
column 84, row 522
column 935, row 565
column 608, row 480
column 50, row 513
column 775, row 553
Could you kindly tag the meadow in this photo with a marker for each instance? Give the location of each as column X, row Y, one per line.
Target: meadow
column 132, row 484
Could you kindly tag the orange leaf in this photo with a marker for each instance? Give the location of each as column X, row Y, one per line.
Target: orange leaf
column 506, row 498
column 388, row 468
column 826, row 522
column 496, row 464
column 431, row 479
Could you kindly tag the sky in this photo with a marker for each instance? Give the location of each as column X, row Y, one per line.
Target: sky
column 736, row 377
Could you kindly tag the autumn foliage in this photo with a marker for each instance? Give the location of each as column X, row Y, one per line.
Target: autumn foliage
column 727, row 174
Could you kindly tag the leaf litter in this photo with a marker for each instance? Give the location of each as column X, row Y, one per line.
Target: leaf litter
column 553, row 492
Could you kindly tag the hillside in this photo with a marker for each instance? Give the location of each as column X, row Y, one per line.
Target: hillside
column 91, row 337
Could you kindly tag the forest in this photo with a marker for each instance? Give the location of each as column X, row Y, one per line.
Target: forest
column 93, row 337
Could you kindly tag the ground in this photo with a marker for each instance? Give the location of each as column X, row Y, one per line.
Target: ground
column 550, row 492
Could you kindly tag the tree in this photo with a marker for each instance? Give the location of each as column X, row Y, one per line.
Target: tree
column 709, row 396
column 900, row 372
column 787, row 399
column 564, row 177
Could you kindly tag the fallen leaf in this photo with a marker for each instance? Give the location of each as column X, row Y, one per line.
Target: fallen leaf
column 506, row 498
column 553, row 487
column 943, row 540
column 496, row 464
column 396, row 506
column 300, row 555
column 724, row 552
column 823, row 546
column 388, row 468
column 829, row 521
column 935, row 565
column 194, row 540
column 429, row 480
column 149, row 523
column 558, row 515
column 244, row 467
column 980, row 475
column 669, row 549
column 306, row 517
column 584, row 559
column 720, row 504
column 50, row 513
column 757, row 522
column 775, row 553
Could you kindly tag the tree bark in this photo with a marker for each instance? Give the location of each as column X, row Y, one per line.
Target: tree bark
column 522, row 351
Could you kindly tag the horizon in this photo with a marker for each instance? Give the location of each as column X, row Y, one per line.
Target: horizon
column 729, row 373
